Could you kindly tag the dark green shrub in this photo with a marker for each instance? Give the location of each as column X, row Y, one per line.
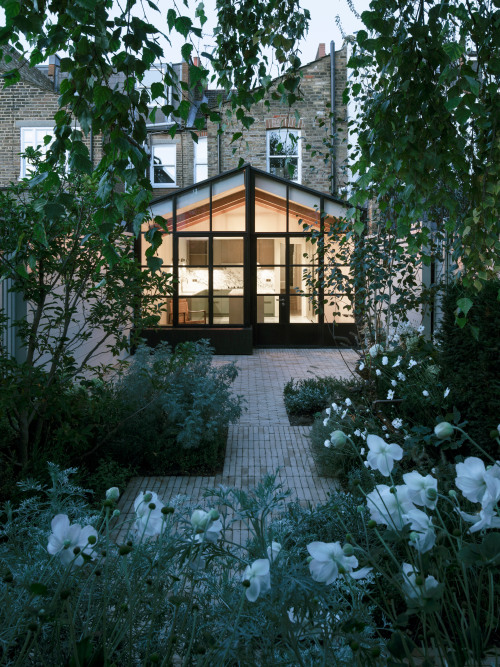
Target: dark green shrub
column 176, row 407
column 306, row 397
column 470, row 365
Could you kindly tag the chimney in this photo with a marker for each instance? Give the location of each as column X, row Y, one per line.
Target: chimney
column 321, row 51
column 196, row 61
column 53, row 70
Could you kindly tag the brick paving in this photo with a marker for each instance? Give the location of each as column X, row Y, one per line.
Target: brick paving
column 262, row 441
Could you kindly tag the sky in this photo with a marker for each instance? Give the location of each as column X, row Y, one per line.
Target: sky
column 323, row 26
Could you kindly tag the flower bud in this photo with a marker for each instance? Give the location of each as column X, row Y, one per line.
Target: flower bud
column 124, row 550
column 443, row 430
column 108, row 503
column 372, row 524
column 452, row 493
column 167, row 510
column 360, row 509
column 92, row 539
column 309, row 559
column 338, row 438
column 148, row 497
column 328, row 444
column 113, row 493
column 246, row 583
column 413, row 536
column 214, row 515
column 456, row 532
column 76, row 550
column 348, row 550
column 342, row 569
column 116, row 513
column 151, row 506
column 348, row 538
column 419, row 580
column 431, row 494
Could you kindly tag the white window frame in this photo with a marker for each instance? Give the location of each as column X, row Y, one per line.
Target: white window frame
column 196, row 161
column 39, row 134
column 284, row 133
column 173, row 164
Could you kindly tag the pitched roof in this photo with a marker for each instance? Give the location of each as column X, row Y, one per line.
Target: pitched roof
column 28, row 74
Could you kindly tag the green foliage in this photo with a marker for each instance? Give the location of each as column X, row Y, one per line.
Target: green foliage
column 306, row 397
column 470, row 365
column 79, row 299
column 102, row 42
column 426, row 81
column 175, row 410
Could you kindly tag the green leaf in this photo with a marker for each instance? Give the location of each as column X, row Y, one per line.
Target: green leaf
column 359, row 227
column 154, row 263
column 473, row 85
column 465, row 305
column 186, row 51
column 39, row 178
column 53, row 210
column 453, row 50
column 38, row 589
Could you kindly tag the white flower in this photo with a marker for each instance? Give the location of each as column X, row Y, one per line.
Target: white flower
column 421, row 490
column 273, row 551
column 390, row 394
column 66, row 537
column 327, row 444
column 325, row 421
column 486, row 518
column 348, row 402
column 375, row 350
column 362, row 451
column 385, row 361
column 389, row 508
column 329, row 560
column 328, row 411
column 414, row 591
column 148, row 517
column 361, row 366
column 412, row 363
column 425, row 393
column 206, row 525
column 344, row 414
column 471, row 479
column 357, row 433
column 394, row 383
column 401, row 376
column 397, row 423
column 336, row 408
column 259, row 578
column 423, row 536
column 446, row 392
column 113, row 493
column 421, row 329
column 378, row 371
column 384, row 428
column 397, row 362
column 381, row 455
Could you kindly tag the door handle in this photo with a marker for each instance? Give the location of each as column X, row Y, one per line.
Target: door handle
column 282, row 300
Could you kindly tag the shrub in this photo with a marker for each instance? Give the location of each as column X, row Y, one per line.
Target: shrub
column 470, row 359
column 176, row 408
column 306, row 397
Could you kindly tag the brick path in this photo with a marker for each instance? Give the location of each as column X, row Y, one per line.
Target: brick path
column 262, row 441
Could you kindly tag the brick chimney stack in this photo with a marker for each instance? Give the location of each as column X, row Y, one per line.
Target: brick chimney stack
column 53, row 70
column 321, row 51
column 196, row 61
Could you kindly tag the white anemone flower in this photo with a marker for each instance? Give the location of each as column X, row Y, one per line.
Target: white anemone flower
column 206, row 525
column 381, row 454
column 378, row 371
column 397, row 423
column 390, row 394
column 412, row 363
column 258, row 577
column 273, row 551
column 397, row 362
column 328, row 411
column 421, row 490
column 423, row 536
column 361, row 366
column 487, row 518
column 401, row 377
column 394, row 383
column 113, row 493
column 325, row 421
column 148, row 517
column 375, row 350
column 446, row 392
column 414, row 591
column 387, row 508
column 471, row 479
column 66, row 537
column 385, row 361
column 348, row 402
column 329, row 561
column 425, row 393
column 327, row 444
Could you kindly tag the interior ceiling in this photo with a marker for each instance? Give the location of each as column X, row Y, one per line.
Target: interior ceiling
column 191, row 216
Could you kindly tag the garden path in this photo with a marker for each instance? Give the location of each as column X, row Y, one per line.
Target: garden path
column 262, row 441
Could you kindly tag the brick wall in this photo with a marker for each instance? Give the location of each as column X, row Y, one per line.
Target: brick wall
column 315, row 90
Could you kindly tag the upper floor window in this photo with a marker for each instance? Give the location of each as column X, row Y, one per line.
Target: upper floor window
column 156, row 74
column 34, row 137
column 163, row 165
column 283, row 154
column 200, row 159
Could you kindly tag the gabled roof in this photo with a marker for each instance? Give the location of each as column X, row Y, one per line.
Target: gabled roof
column 30, row 75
